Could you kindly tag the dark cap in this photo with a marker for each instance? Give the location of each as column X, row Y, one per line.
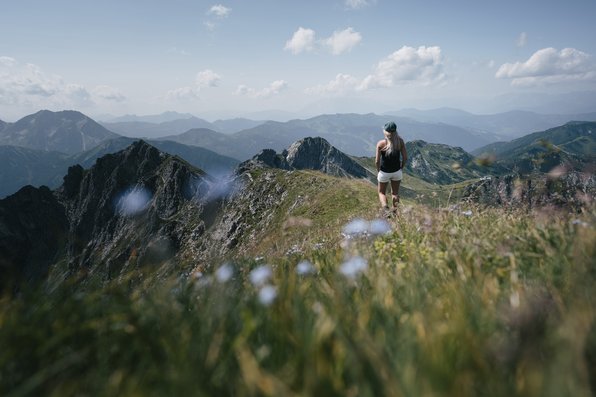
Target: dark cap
column 390, row 127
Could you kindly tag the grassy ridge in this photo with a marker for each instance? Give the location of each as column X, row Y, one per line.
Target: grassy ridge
column 449, row 303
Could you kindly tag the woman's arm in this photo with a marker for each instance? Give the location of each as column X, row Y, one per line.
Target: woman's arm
column 378, row 156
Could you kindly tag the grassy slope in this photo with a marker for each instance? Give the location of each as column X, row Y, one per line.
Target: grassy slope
column 310, row 210
column 496, row 303
column 576, row 137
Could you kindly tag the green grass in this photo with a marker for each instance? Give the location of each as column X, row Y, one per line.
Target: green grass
column 494, row 303
column 301, row 198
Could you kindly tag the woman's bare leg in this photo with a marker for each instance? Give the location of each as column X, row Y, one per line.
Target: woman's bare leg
column 395, row 192
column 382, row 194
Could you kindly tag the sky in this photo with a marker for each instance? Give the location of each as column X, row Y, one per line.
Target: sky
column 239, row 58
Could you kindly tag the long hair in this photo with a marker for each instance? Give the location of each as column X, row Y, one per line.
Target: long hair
column 392, row 143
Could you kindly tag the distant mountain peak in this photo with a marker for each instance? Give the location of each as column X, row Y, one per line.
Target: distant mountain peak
column 66, row 131
column 314, row 154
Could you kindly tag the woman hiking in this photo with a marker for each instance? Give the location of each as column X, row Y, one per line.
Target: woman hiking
column 390, row 159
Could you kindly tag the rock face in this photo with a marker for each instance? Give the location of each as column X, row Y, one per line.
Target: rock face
column 313, row 154
column 131, row 209
column 570, row 189
column 33, row 234
column 443, row 164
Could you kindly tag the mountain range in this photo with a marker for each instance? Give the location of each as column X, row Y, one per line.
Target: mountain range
column 151, row 130
column 512, row 124
column 572, row 144
column 217, row 152
column 354, row 134
column 25, row 166
column 140, row 206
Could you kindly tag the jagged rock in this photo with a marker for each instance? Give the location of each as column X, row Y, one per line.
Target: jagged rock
column 310, row 153
column 443, row 164
column 130, row 209
column 33, row 233
column 270, row 158
column 572, row 190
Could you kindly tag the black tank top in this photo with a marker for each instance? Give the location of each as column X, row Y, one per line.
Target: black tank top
column 390, row 162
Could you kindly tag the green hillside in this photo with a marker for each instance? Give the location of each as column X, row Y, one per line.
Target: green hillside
column 573, row 143
column 449, row 303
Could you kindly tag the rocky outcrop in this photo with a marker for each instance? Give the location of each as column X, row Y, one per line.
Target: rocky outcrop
column 443, row 164
column 572, row 190
column 132, row 208
column 312, row 154
column 33, row 234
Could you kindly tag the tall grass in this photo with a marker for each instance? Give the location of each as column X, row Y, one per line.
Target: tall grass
column 456, row 303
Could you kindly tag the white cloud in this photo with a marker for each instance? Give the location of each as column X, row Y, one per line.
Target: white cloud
column 243, row 90
column 219, row 11
column 302, row 40
column 273, row 89
column 182, row 94
column 207, row 78
column 343, row 40
column 26, row 82
column 75, row 94
column 408, row 65
column 216, row 13
column 522, row 40
column 341, row 84
column 356, row 4
column 28, row 85
column 107, row 93
column 422, row 65
column 549, row 66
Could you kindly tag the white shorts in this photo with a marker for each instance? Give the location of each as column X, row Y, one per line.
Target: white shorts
column 385, row 177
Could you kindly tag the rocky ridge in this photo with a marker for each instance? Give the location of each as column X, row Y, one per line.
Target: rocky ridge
column 569, row 189
column 312, row 154
column 131, row 208
column 141, row 207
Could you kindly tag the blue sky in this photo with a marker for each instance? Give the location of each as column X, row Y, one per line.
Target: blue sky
column 232, row 58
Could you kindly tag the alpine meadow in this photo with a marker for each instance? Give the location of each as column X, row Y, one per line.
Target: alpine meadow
column 192, row 203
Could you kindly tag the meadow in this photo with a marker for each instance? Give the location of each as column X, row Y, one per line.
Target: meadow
column 436, row 301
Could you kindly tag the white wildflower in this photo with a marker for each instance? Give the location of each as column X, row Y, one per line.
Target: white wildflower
column 353, row 267
column 467, row 213
column 304, row 268
column 379, row 226
column 224, row 273
column 356, row 226
column 267, row 295
column 260, row 275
